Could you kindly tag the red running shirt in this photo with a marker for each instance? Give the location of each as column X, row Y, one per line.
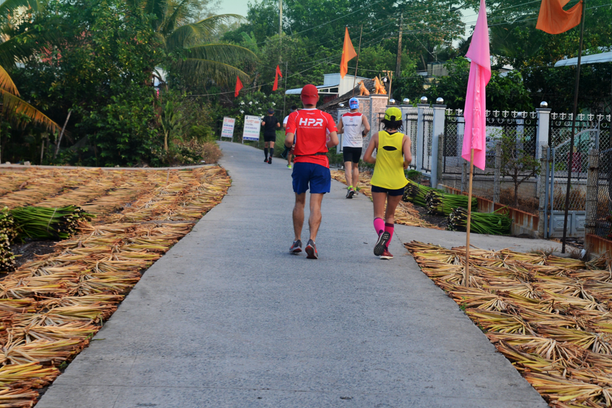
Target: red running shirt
column 311, row 127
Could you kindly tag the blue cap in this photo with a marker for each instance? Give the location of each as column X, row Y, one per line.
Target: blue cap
column 353, row 103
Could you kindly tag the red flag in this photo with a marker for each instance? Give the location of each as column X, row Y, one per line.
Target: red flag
column 348, row 53
column 554, row 20
column 238, row 86
column 278, row 72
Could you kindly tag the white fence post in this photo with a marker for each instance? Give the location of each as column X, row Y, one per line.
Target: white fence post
column 542, row 129
column 439, row 114
column 420, row 145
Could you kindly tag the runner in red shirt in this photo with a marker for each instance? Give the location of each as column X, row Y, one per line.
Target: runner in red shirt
column 313, row 132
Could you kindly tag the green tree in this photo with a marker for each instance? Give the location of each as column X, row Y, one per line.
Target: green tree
column 516, row 162
column 191, row 48
column 99, row 67
column 504, row 91
column 515, row 41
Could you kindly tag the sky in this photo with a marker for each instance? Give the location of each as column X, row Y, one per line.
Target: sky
column 241, row 7
column 233, row 7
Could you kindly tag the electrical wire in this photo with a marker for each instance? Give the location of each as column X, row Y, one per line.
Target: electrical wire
column 377, row 39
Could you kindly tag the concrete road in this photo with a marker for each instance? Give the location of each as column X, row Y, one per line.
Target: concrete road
column 228, row 318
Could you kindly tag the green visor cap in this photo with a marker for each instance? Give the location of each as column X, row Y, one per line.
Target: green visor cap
column 393, row 114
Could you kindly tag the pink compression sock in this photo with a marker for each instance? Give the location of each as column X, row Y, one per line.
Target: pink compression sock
column 379, row 225
column 389, row 228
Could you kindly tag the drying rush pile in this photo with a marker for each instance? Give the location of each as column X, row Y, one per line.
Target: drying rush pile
column 549, row 316
column 50, row 307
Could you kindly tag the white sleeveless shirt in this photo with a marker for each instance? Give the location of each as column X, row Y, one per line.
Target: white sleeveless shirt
column 352, row 123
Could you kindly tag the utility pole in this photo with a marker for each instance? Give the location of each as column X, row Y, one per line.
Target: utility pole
column 398, row 66
column 280, row 24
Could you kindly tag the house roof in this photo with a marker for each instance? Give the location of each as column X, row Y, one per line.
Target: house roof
column 368, row 83
column 298, row 91
column 586, row 59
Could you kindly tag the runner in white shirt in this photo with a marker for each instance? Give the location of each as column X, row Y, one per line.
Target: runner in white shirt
column 355, row 127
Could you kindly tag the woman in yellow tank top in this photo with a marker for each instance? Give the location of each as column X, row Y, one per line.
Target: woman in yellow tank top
column 388, row 182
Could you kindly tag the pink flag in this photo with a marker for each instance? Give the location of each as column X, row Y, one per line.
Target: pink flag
column 475, row 133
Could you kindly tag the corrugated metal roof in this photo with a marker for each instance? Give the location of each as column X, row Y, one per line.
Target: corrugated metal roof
column 298, row 91
column 588, row 59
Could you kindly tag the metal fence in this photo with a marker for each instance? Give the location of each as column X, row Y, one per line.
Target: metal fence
column 603, row 220
column 591, row 132
column 427, row 140
column 521, row 126
column 410, row 130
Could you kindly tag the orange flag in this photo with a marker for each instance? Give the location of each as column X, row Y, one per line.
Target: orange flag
column 554, row 20
column 238, row 87
column 348, row 53
column 278, row 72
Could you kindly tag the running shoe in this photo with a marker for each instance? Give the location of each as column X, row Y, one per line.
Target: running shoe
column 270, row 160
column 381, row 244
column 296, row 248
column 289, row 166
column 348, row 194
column 311, row 250
column 351, row 193
column 266, row 160
column 386, row 254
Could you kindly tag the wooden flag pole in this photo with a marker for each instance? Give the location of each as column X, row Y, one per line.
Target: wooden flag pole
column 357, row 64
column 466, row 274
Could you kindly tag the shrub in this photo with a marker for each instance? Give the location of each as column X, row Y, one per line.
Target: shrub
column 188, row 153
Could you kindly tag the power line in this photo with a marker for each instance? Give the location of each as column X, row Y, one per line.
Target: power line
column 311, row 64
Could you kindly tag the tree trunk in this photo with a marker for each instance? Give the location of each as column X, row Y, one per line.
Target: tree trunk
column 516, row 186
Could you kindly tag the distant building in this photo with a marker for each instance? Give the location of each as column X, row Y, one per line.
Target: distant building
column 333, row 86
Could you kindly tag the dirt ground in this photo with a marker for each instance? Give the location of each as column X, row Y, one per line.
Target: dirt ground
column 27, row 251
column 438, row 220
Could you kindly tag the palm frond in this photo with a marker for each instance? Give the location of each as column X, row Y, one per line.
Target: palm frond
column 9, row 6
column 173, row 19
column 202, row 69
column 226, row 53
column 203, row 30
column 17, row 48
column 15, row 106
column 158, row 8
column 6, row 82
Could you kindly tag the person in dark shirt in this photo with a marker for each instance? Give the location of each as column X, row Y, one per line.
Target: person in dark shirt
column 269, row 124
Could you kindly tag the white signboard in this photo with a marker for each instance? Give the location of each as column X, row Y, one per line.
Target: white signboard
column 252, row 124
column 228, row 127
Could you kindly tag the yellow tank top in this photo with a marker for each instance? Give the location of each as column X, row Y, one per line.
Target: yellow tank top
column 389, row 167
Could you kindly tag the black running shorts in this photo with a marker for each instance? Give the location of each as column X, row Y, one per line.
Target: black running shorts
column 398, row 192
column 351, row 154
column 271, row 137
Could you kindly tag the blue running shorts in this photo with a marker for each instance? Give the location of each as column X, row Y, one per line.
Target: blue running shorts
column 315, row 175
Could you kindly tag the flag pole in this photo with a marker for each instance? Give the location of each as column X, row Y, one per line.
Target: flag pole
column 570, row 163
column 357, row 64
column 466, row 274
column 285, row 93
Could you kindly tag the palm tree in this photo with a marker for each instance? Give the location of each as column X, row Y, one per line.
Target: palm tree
column 17, row 108
column 12, row 49
column 16, row 45
column 198, row 54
